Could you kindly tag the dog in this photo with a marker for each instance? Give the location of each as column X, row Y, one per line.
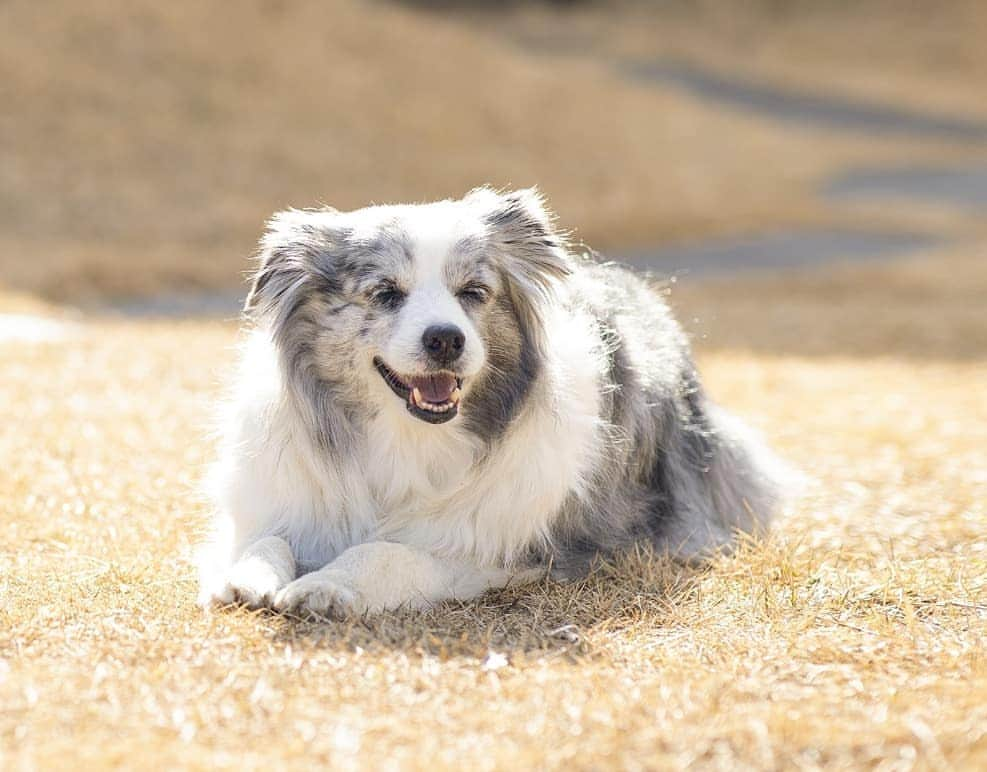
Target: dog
column 434, row 400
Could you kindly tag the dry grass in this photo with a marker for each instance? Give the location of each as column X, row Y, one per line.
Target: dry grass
column 877, row 309
column 897, row 51
column 159, row 136
column 853, row 637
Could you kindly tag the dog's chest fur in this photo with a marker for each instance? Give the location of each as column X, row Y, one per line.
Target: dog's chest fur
column 413, row 468
column 444, row 489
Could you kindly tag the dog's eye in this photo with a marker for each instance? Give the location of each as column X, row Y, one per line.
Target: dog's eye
column 474, row 293
column 387, row 296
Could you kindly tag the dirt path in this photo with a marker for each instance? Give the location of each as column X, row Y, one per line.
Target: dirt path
column 946, row 185
column 802, row 108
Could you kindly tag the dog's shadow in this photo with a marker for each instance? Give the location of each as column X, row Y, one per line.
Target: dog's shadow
column 548, row 618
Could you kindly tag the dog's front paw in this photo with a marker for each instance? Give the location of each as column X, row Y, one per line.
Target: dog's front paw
column 265, row 567
column 249, row 592
column 246, row 584
column 325, row 593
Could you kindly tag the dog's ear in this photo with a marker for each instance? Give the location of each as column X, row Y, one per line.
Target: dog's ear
column 522, row 227
column 294, row 244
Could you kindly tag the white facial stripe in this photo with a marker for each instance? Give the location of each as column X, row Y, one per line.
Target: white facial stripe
column 435, row 236
column 436, row 233
column 435, row 304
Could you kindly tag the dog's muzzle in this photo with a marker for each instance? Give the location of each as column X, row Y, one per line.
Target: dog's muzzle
column 432, row 397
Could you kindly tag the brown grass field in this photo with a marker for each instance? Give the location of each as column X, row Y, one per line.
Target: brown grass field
column 899, row 51
column 160, row 136
column 852, row 638
column 149, row 142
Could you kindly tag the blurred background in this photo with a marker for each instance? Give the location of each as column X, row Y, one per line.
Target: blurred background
column 143, row 143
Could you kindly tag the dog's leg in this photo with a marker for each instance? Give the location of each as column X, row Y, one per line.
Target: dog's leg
column 381, row 576
column 264, row 568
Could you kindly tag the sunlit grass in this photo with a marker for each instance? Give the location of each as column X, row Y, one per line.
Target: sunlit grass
column 852, row 637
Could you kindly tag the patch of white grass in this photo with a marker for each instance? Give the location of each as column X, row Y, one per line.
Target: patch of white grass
column 25, row 328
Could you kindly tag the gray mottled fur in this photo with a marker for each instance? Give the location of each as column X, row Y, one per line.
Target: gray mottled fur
column 678, row 472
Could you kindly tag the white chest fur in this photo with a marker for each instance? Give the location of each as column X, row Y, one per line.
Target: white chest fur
column 412, row 467
column 442, row 490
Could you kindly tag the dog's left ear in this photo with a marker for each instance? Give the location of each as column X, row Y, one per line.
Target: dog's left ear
column 292, row 248
column 520, row 224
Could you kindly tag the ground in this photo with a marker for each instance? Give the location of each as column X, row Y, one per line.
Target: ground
column 149, row 143
column 853, row 636
column 159, row 136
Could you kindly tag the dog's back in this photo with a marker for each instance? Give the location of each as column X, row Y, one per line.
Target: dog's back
column 678, row 471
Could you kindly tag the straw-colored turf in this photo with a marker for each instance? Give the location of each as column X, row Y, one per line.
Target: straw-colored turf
column 897, row 51
column 853, row 637
column 149, row 141
column 160, row 135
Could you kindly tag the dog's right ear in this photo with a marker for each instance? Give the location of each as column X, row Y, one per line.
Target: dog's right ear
column 293, row 246
column 523, row 229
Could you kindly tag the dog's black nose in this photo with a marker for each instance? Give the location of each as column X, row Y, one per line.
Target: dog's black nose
column 444, row 342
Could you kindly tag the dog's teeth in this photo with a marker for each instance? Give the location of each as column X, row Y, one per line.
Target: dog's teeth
column 433, row 407
column 419, row 401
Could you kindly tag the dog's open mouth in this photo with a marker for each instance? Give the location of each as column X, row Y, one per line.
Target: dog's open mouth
column 432, row 397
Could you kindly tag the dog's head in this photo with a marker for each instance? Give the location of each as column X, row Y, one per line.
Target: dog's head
column 435, row 306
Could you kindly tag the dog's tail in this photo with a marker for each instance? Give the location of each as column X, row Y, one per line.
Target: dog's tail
column 723, row 483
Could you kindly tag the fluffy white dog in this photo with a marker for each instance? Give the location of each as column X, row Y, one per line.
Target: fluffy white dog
column 438, row 399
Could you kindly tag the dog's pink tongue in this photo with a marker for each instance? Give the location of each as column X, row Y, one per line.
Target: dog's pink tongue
column 435, row 388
